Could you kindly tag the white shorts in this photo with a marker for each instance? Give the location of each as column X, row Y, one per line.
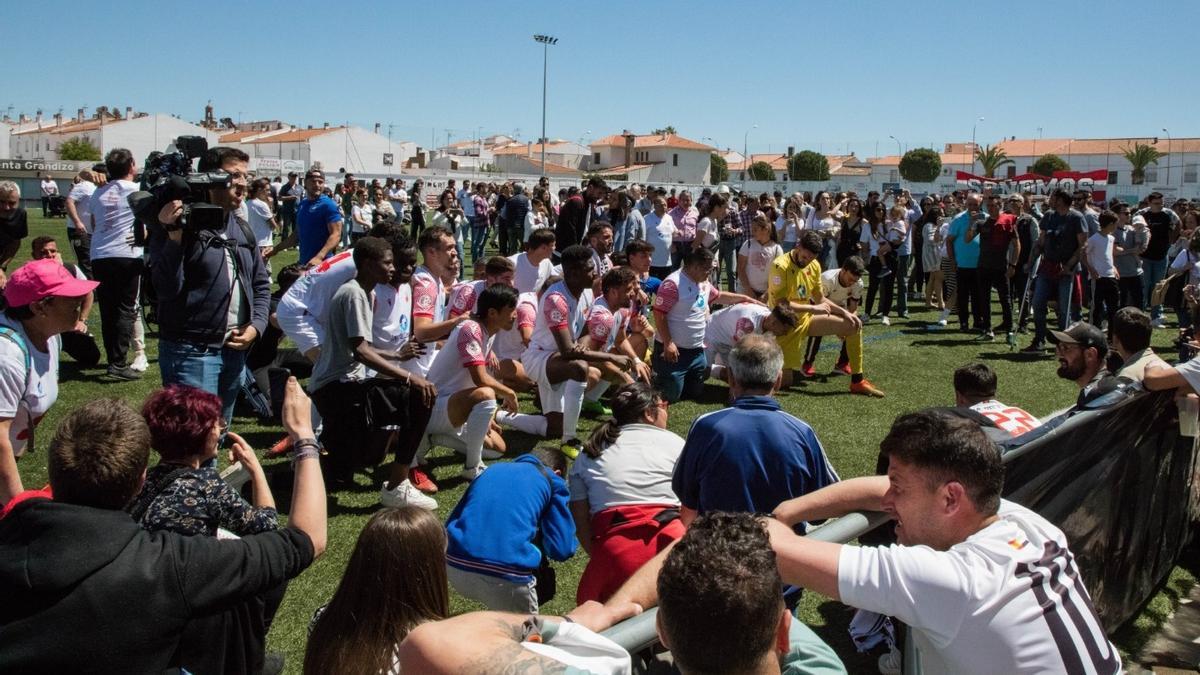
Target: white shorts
column 439, row 420
column 535, row 360
column 300, row 326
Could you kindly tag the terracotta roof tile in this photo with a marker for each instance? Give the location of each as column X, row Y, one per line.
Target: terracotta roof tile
column 296, row 135
column 652, row 141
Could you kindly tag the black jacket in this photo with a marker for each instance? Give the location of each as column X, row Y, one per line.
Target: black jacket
column 87, row 590
column 192, row 286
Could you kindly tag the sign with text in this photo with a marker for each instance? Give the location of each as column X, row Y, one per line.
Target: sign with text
column 43, row 165
column 1038, row 185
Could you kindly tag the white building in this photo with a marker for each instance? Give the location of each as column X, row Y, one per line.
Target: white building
column 562, row 157
column 653, row 158
column 141, row 133
column 350, row 149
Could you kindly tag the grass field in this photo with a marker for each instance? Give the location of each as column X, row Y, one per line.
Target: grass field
column 911, row 364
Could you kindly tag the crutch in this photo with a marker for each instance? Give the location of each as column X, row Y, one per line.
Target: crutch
column 1024, row 303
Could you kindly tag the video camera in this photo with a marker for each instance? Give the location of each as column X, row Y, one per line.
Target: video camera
column 168, row 176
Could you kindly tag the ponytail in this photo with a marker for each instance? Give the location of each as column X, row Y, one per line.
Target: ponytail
column 629, row 404
column 602, row 436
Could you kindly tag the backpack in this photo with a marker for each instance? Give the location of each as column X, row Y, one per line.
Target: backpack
column 13, row 336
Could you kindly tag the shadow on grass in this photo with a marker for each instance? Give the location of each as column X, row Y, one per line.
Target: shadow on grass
column 1014, row 357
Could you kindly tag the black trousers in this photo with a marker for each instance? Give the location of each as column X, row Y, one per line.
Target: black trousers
column 357, row 419
column 988, row 279
column 1131, row 291
column 1106, row 298
column 117, row 296
column 81, row 347
column 82, row 245
column 967, row 281
column 883, row 282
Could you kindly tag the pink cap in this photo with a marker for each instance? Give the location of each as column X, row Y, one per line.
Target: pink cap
column 42, row 278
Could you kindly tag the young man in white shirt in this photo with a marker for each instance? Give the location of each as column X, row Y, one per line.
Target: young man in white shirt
column 49, row 189
column 727, row 326
column 843, row 287
column 681, row 312
column 984, row 585
column 430, row 315
column 556, row 359
column 975, row 388
column 660, row 228
column 79, row 218
column 607, row 330
column 1099, row 255
column 467, row 391
column 117, row 261
column 534, row 266
column 464, row 297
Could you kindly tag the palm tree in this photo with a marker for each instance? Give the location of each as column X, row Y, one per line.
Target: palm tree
column 1140, row 156
column 991, row 158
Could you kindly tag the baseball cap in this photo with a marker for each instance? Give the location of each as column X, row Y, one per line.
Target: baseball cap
column 41, row 279
column 1139, row 219
column 1083, row 334
column 723, row 190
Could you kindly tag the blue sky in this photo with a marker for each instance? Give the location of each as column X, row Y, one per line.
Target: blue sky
column 820, row 75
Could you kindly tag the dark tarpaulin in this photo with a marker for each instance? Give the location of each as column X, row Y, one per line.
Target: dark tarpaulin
column 1122, row 484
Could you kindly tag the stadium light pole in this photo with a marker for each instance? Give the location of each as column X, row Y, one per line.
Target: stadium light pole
column 974, row 150
column 745, row 154
column 899, row 152
column 1168, row 157
column 546, row 41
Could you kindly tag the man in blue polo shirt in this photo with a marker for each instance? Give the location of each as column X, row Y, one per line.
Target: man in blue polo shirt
column 318, row 223
column 751, row 456
column 962, row 246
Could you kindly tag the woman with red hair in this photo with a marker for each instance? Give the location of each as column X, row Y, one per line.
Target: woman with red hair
column 184, row 493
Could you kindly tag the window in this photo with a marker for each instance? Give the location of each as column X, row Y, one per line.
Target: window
column 1112, row 177
column 1189, row 173
column 1151, row 174
column 893, row 175
column 675, row 159
column 596, row 158
column 1012, row 171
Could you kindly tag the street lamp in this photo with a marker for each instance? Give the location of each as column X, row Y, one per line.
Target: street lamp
column 745, row 153
column 546, row 41
column 974, row 150
column 1168, row 156
column 899, row 152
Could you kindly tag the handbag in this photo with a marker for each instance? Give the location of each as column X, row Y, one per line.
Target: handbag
column 1169, row 291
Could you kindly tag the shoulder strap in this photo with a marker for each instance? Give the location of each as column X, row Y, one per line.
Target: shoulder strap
column 251, row 240
column 15, row 337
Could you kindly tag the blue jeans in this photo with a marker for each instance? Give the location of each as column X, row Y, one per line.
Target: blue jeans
column 1043, row 289
column 902, row 266
column 682, row 379
column 478, row 237
column 1153, row 271
column 217, row 370
column 728, row 251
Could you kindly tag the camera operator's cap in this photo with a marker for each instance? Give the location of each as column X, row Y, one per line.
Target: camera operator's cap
column 41, row 279
column 1083, row 334
column 1139, row 219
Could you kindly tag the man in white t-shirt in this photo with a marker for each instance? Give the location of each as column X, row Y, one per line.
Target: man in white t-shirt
column 430, row 320
column 467, row 391
column 534, row 266
column 398, row 196
column 607, row 330
column 464, row 297
column 843, row 287
column 975, row 388
column 44, row 300
column 49, row 189
column 681, row 311
column 660, row 228
column 116, row 261
column 600, row 242
column 985, row 585
column 79, row 219
column 729, row 325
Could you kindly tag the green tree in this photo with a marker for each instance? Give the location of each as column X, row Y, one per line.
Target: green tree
column 1048, row 163
column 991, row 158
column 665, row 130
column 78, row 150
column 761, row 171
column 1139, row 157
column 808, row 165
column 718, row 169
column 920, row 165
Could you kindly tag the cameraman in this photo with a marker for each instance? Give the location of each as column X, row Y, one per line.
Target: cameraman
column 213, row 289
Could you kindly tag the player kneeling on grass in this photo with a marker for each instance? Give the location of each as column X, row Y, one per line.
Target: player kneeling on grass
column 730, row 325
column 467, row 392
column 844, row 288
column 608, row 330
column 681, row 312
column 796, row 279
column 555, row 360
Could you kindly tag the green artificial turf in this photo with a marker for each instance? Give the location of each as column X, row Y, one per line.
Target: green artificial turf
column 912, row 364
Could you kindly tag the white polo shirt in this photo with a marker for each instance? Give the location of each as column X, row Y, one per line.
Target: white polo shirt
column 840, row 295
column 468, row 346
column 686, row 305
column 559, row 309
column 734, row 323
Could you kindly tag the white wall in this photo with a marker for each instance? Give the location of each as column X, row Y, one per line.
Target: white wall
column 143, row 135
column 692, row 165
column 359, row 151
column 5, row 139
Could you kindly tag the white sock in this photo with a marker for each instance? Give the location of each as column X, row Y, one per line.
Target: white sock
column 597, row 391
column 717, row 371
column 534, row 425
column 476, row 429
column 572, row 403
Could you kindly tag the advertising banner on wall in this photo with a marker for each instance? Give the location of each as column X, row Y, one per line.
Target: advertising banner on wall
column 1038, row 185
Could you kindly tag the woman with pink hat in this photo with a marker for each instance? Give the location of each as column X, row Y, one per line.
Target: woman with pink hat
column 42, row 299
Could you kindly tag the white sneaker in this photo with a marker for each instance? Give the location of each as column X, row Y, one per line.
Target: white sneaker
column 471, row 473
column 885, row 321
column 1158, row 323
column 405, row 494
column 942, row 318
column 891, row 663
column 140, row 363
